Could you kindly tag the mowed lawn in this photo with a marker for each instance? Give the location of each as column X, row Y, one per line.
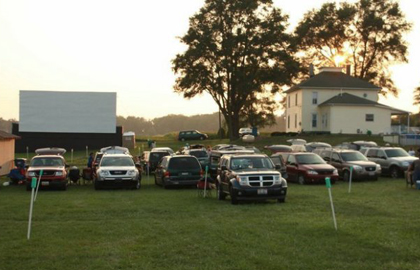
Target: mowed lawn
column 153, row 228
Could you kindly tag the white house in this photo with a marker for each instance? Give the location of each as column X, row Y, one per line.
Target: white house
column 335, row 102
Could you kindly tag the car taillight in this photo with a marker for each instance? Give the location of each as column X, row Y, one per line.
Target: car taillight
column 166, row 174
column 201, row 173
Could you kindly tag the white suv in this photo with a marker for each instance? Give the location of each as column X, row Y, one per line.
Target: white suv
column 117, row 170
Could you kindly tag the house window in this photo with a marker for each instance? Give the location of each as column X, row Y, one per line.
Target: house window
column 370, row 118
column 314, row 120
column 288, row 101
column 296, row 99
column 314, row 98
column 288, row 121
column 295, row 120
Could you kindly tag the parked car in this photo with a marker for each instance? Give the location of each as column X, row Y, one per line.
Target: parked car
column 298, row 148
column 277, row 159
column 305, row 168
column 155, row 157
column 356, row 145
column 201, row 155
column 394, row 161
column 279, row 148
column 245, row 131
column 163, row 149
column 215, row 156
column 310, row 147
column 53, row 166
column 117, row 170
column 181, row 170
column 343, row 160
column 249, row 177
column 191, row 135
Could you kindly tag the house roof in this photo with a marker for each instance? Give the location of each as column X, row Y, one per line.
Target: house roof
column 334, row 80
column 5, row 136
column 346, row 99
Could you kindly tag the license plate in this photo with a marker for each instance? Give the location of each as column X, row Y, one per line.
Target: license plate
column 45, row 183
column 371, row 173
column 262, row 191
column 185, row 173
column 176, row 182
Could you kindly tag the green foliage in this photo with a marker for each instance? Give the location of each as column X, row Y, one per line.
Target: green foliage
column 239, row 53
column 416, row 100
column 369, row 33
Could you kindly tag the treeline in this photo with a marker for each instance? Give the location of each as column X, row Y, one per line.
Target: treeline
column 175, row 123
column 168, row 124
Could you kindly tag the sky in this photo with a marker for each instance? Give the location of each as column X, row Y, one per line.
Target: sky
column 126, row 46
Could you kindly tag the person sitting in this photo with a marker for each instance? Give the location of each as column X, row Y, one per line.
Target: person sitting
column 413, row 172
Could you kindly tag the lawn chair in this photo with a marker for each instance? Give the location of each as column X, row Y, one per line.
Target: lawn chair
column 205, row 189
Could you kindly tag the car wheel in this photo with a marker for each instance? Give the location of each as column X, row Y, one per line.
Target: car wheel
column 220, row 194
column 395, row 172
column 346, row 176
column 136, row 185
column 97, row 185
column 156, row 183
column 165, row 186
column 201, row 138
column 233, row 198
column 301, row 180
column 281, row 200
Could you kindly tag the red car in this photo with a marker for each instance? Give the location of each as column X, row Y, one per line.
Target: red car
column 53, row 167
column 305, row 168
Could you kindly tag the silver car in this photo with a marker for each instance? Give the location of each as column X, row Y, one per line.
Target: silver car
column 117, row 170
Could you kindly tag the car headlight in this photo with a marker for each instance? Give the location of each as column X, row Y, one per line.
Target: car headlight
column 378, row 167
column 405, row 163
column 312, row 172
column 357, row 168
column 131, row 173
column 104, row 173
column 277, row 179
column 242, row 180
column 31, row 174
column 335, row 172
column 58, row 173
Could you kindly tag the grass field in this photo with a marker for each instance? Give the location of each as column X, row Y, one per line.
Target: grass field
column 152, row 228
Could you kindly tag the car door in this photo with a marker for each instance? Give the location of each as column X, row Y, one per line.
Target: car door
column 337, row 162
column 292, row 168
column 224, row 174
column 382, row 159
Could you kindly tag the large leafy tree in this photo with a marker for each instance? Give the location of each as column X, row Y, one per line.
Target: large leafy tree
column 416, row 100
column 238, row 52
column 369, row 34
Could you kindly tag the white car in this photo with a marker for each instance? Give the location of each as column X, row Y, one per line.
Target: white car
column 245, row 131
column 117, row 170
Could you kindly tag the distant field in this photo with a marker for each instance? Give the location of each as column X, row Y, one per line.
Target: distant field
column 153, row 228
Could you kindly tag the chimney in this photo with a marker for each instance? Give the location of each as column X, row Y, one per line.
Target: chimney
column 348, row 70
column 311, row 70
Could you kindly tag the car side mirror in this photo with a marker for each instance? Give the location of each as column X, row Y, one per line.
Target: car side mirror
column 138, row 165
column 223, row 168
column 67, row 166
column 277, row 167
column 26, row 166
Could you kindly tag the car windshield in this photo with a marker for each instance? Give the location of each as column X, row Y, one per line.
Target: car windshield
column 309, row 159
column 47, row 162
column 199, row 154
column 398, row 152
column 353, row 156
column 157, row 156
column 117, row 161
column 184, row 163
column 244, row 163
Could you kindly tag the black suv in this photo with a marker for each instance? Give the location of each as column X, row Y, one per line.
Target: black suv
column 249, row 177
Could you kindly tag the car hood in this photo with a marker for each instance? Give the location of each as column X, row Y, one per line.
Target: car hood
column 317, row 167
column 117, row 168
column 409, row 159
column 362, row 163
column 45, row 168
column 259, row 172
